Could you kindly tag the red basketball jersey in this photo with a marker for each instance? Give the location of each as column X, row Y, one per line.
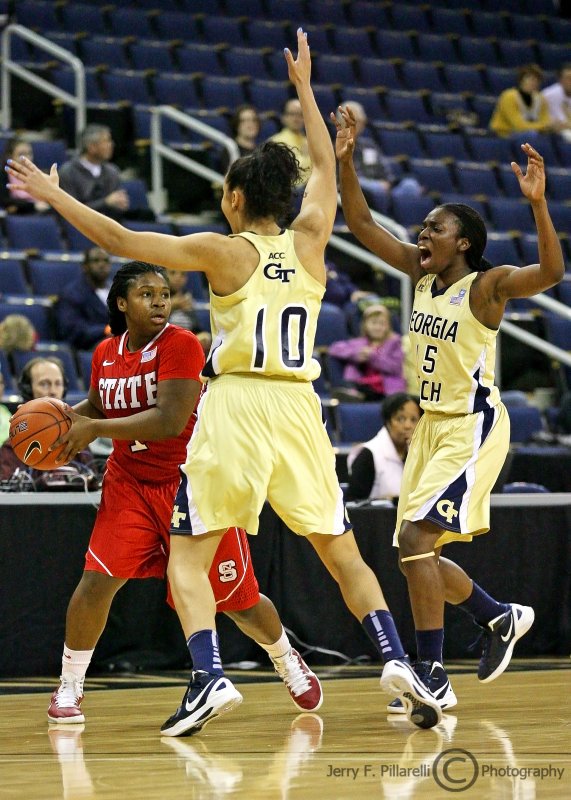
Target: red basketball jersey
column 127, row 384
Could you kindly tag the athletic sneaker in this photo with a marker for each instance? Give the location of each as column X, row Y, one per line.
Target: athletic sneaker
column 499, row 637
column 207, row 696
column 435, row 678
column 65, row 704
column 421, row 707
column 302, row 684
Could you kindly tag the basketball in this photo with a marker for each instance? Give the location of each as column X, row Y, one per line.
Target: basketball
column 35, row 426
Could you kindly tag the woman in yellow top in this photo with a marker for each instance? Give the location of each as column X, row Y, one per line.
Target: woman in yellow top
column 522, row 108
column 460, row 443
column 259, row 432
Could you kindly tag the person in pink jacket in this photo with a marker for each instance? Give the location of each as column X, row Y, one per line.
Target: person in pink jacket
column 373, row 361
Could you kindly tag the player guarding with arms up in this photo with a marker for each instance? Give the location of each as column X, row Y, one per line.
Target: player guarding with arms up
column 144, row 388
column 259, row 432
column 461, row 441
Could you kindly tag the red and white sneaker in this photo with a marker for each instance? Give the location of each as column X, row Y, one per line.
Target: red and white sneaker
column 66, row 701
column 302, row 684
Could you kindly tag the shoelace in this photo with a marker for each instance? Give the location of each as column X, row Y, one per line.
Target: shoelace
column 290, row 671
column 68, row 693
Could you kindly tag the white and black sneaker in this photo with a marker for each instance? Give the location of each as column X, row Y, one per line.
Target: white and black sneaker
column 434, row 676
column 499, row 638
column 420, row 705
column 207, row 696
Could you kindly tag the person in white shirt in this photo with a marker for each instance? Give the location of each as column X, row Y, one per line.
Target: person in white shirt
column 558, row 96
column 376, row 466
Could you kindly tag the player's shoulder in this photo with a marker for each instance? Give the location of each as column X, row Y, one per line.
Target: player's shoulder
column 176, row 334
column 106, row 348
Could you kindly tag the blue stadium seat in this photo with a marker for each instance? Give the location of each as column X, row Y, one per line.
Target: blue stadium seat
column 358, row 422
column 399, row 141
column 552, row 56
column 409, row 17
column 252, row 61
column 490, row 148
column 331, row 325
column 422, row 75
column 559, row 184
column 220, row 91
column 507, row 213
column 112, row 52
column 523, row 487
column 559, row 30
column 394, row 44
column 136, row 188
column 176, row 90
column 379, row 72
column 451, row 20
column 464, row 78
column 40, row 232
column 127, row 86
column 76, row 241
column 474, row 50
column 84, row 362
column 434, row 174
column 335, row 69
column 489, row 23
column 476, row 178
column 48, row 152
column 404, row 106
column 129, row 21
column 37, row 310
column 501, row 248
column 9, row 383
column 440, row 45
column 411, row 211
column 370, row 99
column 152, row 55
column 439, row 144
column 178, row 25
column 12, row 277
column 265, row 33
column 76, row 17
column 196, row 57
column 49, row 277
column 500, row 78
column 525, row 421
column 203, row 317
column 447, row 107
column 269, row 95
column 351, row 41
column 364, row 13
column 528, row 26
column 331, row 11
column 563, row 291
column 39, row 15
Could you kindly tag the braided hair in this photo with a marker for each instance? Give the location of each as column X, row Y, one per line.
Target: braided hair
column 471, row 226
column 125, row 276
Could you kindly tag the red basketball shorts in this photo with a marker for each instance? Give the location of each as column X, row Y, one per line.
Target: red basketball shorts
column 130, row 539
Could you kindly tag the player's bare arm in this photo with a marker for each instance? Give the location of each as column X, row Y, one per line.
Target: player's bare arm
column 176, row 400
column 401, row 255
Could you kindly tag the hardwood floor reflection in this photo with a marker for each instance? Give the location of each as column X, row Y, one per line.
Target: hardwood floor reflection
column 510, row 739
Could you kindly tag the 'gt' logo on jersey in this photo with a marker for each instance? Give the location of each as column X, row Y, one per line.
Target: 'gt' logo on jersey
column 447, row 510
column 275, row 272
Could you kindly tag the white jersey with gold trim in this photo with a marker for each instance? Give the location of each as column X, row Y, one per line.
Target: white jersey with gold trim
column 268, row 326
column 455, row 354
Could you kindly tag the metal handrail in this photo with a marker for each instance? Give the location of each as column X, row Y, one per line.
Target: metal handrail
column 9, row 68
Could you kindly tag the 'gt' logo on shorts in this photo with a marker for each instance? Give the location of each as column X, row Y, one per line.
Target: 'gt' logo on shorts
column 446, row 509
column 177, row 517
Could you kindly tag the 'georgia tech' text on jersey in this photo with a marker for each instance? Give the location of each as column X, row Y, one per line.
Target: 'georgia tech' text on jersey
column 455, row 354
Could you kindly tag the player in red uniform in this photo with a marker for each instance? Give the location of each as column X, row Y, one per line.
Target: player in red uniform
column 144, row 390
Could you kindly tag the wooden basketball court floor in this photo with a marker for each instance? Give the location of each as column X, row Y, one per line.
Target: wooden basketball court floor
column 508, row 740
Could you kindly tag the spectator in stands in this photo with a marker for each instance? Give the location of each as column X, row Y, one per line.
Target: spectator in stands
column 293, row 134
column 182, row 301
column 81, row 310
column 523, row 108
column 91, row 178
column 245, row 129
column 374, row 360
column 16, row 201
column 5, row 414
column 376, row 467
column 44, row 377
column 558, row 96
column 376, row 173
column 17, row 334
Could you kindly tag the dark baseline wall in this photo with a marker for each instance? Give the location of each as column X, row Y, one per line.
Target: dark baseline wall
column 526, row 558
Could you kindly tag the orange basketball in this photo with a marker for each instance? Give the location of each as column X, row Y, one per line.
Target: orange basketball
column 35, row 426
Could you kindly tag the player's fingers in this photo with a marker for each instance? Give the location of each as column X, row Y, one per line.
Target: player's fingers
column 516, row 169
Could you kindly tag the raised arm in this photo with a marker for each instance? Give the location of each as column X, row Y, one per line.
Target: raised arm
column 317, row 213
column 508, row 282
column 374, row 237
column 200, row 251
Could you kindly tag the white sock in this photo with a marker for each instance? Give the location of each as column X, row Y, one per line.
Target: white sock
column 278, row 649
column 76, row 662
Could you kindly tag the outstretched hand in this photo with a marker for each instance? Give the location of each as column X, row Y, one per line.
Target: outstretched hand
column 532, row 184
column 299, row 70
column 27, row 176
column 345, row 139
